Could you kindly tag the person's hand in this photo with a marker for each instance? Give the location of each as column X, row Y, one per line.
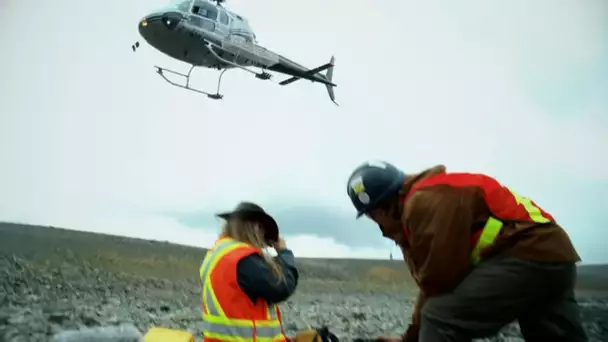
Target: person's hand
column 279, row 245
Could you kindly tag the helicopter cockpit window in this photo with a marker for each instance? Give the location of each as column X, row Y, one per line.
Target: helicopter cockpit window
column 224, row 18
column 181, row 5
column 206, row 10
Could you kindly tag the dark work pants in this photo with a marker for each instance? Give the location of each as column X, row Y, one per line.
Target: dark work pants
column 500, row 290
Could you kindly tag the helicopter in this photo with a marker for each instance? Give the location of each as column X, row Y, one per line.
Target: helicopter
column 203, row 33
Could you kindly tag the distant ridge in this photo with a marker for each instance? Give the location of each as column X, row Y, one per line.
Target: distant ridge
column 34, row 242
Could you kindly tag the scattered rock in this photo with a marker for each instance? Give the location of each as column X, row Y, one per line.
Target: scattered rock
column 120, row 333
column 75, row 301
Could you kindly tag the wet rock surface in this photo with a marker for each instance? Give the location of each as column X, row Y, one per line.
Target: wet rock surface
column 39, row 301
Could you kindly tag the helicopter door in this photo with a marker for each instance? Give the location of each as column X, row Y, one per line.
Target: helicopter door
column 223, row 24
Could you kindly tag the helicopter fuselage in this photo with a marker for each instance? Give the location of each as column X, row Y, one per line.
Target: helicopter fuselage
column 184, row 30
column 205, row 34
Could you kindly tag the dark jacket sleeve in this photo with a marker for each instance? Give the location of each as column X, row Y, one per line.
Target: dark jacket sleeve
column 257, row 280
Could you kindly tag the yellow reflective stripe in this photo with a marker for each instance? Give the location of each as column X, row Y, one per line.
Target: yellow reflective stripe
column 213, row 307
column 532, row 210
column 208, row 290
column 493, row 226
column 204, row 269
column 239, row 329
column 488, row 236
column 210, row 255
column 241, row 322
column 202, row 275
column 213, row 256
column 231, row 338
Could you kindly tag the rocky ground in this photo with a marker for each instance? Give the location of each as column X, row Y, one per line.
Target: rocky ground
column 51, row 285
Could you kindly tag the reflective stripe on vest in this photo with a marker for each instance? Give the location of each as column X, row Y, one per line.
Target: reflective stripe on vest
column 493, row 226
column 216, row 325
column 488, row 236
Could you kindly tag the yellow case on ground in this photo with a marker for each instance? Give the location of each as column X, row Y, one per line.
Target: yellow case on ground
column 159, row 334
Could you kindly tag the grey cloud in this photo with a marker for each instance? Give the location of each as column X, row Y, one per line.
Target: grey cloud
column 307, row 219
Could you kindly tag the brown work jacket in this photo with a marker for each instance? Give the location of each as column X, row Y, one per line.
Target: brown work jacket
column 442, row 219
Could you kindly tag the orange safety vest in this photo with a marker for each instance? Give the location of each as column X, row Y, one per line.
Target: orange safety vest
column 504, row 204
column 228, row 313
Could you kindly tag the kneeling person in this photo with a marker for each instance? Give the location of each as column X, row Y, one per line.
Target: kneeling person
column 482, row 255
column 241, row 284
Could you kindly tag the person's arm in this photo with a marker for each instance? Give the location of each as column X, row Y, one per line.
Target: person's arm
column 418, row 308
column 440, row 223
column 257, row 280
column 411, row 333
column 413, row 330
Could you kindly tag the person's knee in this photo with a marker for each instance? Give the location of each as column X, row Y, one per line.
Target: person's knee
column 438, row 308
column 440, row 329
column 454, row 318
column 436, row 315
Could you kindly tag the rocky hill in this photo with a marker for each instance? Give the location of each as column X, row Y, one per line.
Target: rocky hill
column 57, row 279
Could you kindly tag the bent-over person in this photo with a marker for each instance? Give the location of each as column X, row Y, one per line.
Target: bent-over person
column 482, row 255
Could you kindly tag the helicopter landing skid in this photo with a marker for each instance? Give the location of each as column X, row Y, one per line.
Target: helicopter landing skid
column 215, row 96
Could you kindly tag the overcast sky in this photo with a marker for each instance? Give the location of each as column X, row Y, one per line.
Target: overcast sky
column 91, row 138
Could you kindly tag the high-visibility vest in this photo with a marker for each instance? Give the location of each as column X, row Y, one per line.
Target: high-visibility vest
column 504, row 204
column 228, row 313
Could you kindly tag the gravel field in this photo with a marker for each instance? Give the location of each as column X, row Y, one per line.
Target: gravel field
column 54, row 280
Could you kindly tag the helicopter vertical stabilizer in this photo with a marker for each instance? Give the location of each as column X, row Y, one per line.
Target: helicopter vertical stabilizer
column 314, row 75
column 329, row 75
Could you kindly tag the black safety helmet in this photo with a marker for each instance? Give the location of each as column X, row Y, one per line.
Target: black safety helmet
column 372, row 183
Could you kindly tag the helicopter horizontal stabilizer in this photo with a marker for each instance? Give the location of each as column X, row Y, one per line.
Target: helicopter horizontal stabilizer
column 309, row 72
column 325, row 79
